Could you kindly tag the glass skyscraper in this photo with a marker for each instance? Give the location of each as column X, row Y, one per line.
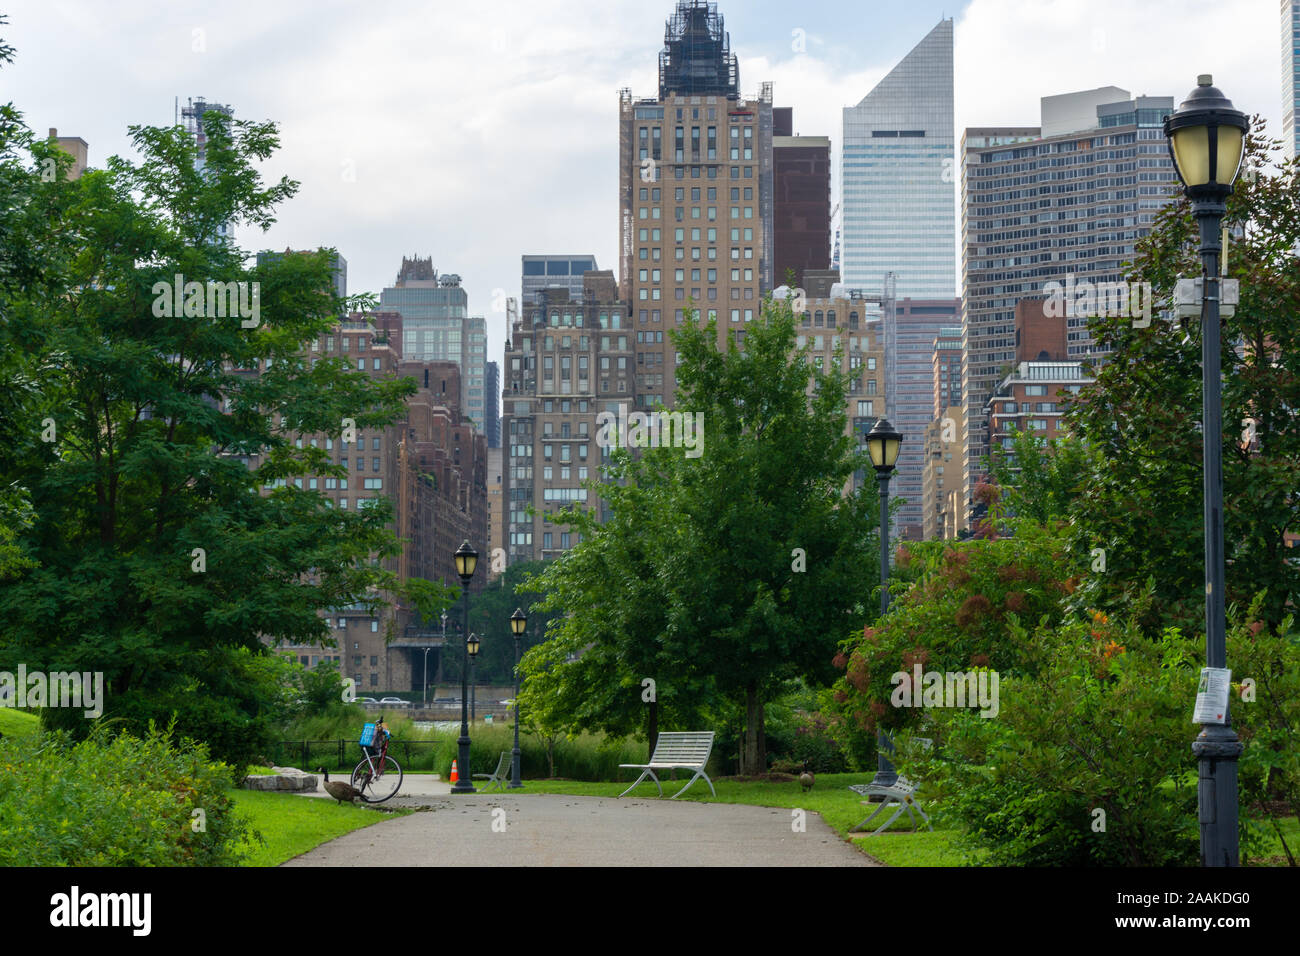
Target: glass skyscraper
column 437, row 327
column 897, row 177
column 1290, row 76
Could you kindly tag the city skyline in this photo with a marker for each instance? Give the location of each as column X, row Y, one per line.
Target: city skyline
column 502, row 89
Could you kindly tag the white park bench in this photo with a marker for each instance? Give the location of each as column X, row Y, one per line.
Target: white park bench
column 676, row 751
column 899, row 794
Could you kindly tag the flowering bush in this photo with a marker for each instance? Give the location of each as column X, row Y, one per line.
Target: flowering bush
column 954, row 608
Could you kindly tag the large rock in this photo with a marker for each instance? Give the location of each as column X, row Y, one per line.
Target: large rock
column 284, row 778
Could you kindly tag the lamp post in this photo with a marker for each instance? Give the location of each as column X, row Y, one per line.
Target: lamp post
column 882, row 444
column 472, row 647
column 466, row 561
column 1206, row 142
column 518, row 621
column 425, row 697
column 437, row 679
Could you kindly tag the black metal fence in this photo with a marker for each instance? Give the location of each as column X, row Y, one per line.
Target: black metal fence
column 343, row 754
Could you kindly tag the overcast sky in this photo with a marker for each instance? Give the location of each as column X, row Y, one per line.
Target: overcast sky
column 477, row 132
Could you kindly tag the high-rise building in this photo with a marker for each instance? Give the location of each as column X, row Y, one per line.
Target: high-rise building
column 910, row 329
column 437, row 327
column 835, row 324
column 194, row 113
column 941, row 479
column 1066, row 200
column 695, row 197
column 897, row 176
column 492, row 404
column 545, row 272
column 496, row 510
column 1290, row 76
column 566, row 362
column 801, row 219
column 432, row 465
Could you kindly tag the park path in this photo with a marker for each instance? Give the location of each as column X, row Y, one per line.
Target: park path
column 559, row 830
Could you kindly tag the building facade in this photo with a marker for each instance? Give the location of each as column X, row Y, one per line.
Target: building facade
column 801, row 223
column 543, row 272
column 432, row 465
column 77, row 148
column 898, row 177
column 910, row 329
column 566, row 362
column 941, row 475
column 1290, row 10
column 1066, row 201
column 695, row 197
column 438, row 328
column 492, row 404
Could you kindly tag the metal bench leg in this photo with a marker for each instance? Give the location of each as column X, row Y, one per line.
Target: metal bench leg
column 875, row 813
column 644, row 774
column 698, row 775
column 885, row 826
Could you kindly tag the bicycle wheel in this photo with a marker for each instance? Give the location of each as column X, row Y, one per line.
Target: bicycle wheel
column 376, row 788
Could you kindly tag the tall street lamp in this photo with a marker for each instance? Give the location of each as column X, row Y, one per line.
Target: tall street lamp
column 466, row 561
column 443, row 650
column 1206, row 142
column 518, row 621
column 425, row 696
column 883, row 443
column 472, row 647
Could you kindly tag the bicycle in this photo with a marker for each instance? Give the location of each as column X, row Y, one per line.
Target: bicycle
column 378, row 776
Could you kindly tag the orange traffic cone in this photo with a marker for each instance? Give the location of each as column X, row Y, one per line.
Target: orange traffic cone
column 455, row 777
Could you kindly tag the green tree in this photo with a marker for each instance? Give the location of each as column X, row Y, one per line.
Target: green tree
column 489, row 616
column 1040, row 479
column 156, row 557
column 726, row 574
column 1142, row 502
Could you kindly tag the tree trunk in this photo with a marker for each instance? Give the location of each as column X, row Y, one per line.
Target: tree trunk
column 753, row 750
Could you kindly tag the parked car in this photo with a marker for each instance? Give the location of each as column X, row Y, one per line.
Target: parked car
column 396, row 701
column 363, row 700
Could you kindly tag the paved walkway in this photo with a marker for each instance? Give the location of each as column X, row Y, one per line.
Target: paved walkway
column 559, row 830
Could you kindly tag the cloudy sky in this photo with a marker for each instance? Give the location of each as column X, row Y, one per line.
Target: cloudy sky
column 477, row 132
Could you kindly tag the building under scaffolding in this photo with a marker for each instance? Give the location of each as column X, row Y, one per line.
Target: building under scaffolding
column 696, row 59
column 193, row 113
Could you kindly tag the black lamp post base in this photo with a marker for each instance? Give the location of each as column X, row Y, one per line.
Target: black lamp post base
column 515, row 782
column 463, row 785
column 1217, row 748
column 886, row 775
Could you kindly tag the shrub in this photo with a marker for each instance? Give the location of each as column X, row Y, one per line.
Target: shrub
column 954, row 609
column 1104, row 725
column 120, row 801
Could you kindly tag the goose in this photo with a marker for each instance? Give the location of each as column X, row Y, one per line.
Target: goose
column 337, row 789
column 806, row 779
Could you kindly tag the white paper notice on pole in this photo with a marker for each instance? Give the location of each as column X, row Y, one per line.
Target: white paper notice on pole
column 1212, row 696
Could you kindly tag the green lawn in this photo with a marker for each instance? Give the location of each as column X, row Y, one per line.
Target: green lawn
column 292, row 825
column 18, row 723
column 830, row 798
